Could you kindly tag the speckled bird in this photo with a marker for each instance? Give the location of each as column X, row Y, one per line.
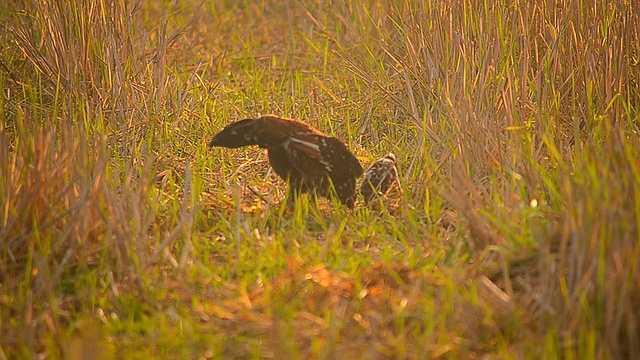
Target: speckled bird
column 380, row 178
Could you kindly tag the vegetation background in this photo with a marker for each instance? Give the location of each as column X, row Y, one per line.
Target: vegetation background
column 516, row 129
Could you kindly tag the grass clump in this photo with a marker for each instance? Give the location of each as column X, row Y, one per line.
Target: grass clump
column 516, row 132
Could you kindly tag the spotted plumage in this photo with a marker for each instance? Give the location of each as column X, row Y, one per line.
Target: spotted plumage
column 299, row 153
column 380, row 178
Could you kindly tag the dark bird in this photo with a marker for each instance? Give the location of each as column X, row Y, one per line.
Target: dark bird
column 310, row 160
column 380, row 178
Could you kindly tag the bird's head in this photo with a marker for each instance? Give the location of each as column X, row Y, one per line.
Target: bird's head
column 237, row 134
column 390, row 157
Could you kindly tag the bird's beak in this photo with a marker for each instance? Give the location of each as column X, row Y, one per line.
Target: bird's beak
column 212, row 143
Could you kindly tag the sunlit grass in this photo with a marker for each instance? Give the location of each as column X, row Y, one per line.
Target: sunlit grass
column 516, row 132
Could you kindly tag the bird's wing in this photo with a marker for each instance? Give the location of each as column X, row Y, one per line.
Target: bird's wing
column 306, row 155
column 330, row 152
